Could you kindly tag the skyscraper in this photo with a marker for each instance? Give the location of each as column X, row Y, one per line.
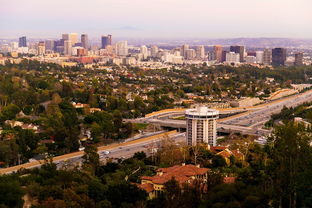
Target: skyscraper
column 259, row 57
column 144, row 51
column 232, row 57
column 68, row 47
column 154, row 51
column 240, row 50
column 201, row 126
column 106, row 41
column 49, row 45
column 299, row 59
column 267, row 56
column 65, row 36
column 200, row 52
column 223, row 57
column 278, row 56
column 190, row 54
column 218, row 53
column 72, row 37
column 184, row 48
column 22, row 42
column 84, row 41
column 41, row 48
column 122, row 48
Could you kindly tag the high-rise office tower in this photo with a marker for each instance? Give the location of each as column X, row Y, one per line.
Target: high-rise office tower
column 298, row 59
column 106, row 41
column 22, row 42
column 201, row 126
column 41, row 48
column 240, row 50
column 49, row 45
column 232, row 57
column 190, row 54
column 122, row 48
column 267, row 56
column 259, row 57
column 67, row 47
column 72, row 37
column 144, row 51
column 183, row 50
column 223, row 57
column 84, row 41
column 65, row 37
column 218, row 53
column 278, row 56
column 154, row 51
column 200, row 52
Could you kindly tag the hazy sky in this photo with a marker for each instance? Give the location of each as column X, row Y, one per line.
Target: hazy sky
column 157, row 18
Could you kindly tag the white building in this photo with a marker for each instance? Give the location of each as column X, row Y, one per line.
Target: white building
column 67, row 47
column 200, row 52
column 144, row 51
column 122, row 48
column 251, row 59
column 154, row 51
column 201, row 126
column 259, row 57
column 232, row 57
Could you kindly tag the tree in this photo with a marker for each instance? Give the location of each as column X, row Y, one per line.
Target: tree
column 172, row 193
column 10, row 192
column 290, row 165
column 91, row 158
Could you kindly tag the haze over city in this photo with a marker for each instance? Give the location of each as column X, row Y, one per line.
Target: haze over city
column 157, row 18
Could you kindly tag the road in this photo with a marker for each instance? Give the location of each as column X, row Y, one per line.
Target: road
column 250, row 122
column 122, row 152
column 125, row 149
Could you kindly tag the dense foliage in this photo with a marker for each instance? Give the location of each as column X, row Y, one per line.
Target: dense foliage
column 276, row 175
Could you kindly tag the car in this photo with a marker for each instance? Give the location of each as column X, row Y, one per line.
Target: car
column 81, row 148
column 106, row 152
column 120, row 147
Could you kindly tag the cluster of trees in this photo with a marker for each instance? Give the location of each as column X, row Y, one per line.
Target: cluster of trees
column 274, row 175
column 303, row 111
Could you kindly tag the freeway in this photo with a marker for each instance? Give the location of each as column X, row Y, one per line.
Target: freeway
column 250, row 122
column 118, row 150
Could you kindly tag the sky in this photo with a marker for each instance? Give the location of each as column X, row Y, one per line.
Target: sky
column 157, row 18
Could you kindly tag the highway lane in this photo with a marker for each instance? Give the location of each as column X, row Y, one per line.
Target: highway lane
column 256, row 118
column 75, row 157
column 250, row 122
column 122, row 152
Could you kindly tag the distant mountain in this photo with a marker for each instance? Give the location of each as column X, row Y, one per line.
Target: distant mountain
column 249, row 42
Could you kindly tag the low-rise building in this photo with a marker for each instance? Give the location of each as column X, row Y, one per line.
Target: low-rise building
column 183, row 174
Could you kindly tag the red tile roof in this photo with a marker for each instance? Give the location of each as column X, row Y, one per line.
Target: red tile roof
column 218, row 148
column 147, row 187
column 181, row 173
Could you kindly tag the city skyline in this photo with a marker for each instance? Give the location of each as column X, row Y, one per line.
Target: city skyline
column 157, row 18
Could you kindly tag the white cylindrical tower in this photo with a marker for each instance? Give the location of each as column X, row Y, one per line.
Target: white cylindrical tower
column 201, row 126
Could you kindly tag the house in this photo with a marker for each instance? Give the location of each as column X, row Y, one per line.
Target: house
column 226, row 154
column 183, row 174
